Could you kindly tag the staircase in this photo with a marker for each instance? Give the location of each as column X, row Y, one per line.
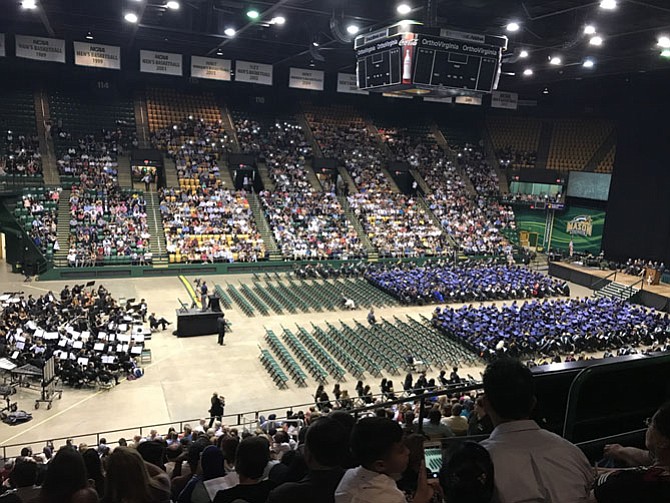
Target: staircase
column 309, row 135
column 226, row 177
column 124, row 175
column 422, row 183
column 142, row 121
column 155, row 223
column 171, row 180
column 602, row 151
column 358, row 227
column 311, row 176
column 229, row 126
column 439, row 138
column 267, row 182
column 263, row 227
column 63, row 228
column 544, row 144
column 492, row 158
column 47, row 150
column 342, row 171
column 616, row 290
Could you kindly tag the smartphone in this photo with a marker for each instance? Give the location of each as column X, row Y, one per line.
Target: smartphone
column 432, row 452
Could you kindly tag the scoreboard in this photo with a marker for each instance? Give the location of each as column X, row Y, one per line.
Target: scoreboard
column 415, row 60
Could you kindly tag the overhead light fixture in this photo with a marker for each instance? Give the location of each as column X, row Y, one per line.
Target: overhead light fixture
column 253, row 14
column 588, row 63
column 229, row 32
column 555, row 60
column 608, row 4
column 173, row 5
column 589, row 29
column 403, row 9
column 597, row 41
column 352, row 29
column 545, row 90
column 89, row 36
column 523, row 54
column 528, row 72
column 280, row 20
column 219, row 52
column 29, row 4
column 664, row 42
column 512, row 27
column 665, row 53
column 131, row 17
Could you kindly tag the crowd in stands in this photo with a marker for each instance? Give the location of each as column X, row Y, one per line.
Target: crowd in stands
column 530, row 199
column 547, row 327
column 21, row 155
column 105, row 222
column 463, row 282
column 43, row 220
column 516, row 158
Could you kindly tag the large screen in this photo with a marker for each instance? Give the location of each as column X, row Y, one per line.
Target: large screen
column 588, row 185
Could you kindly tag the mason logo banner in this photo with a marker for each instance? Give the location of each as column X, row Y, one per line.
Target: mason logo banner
column 581, row 225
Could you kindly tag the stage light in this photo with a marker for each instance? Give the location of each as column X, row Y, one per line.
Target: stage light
column 528, row 72
column 523, row 54
column 589, row 29
column 352, row 29
column 89, row 36
column 664, row 42
column 512, row 27
column 230, row 32
column 597, row 41
column 29, row 4
column 588, row 63
column 403, row 9
column 608, row 4
column 131, row 17
column 280, row 20
column 253, row 14
column 173, row 5
column 555, row 60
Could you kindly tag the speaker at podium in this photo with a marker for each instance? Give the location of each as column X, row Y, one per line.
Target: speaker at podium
column 213, row 303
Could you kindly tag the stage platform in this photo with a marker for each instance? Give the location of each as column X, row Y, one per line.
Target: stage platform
column 657, row 296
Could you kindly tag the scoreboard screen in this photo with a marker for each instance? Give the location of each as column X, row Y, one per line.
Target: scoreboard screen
column 415, row 62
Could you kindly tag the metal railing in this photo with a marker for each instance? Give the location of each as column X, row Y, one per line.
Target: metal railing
column 603, row 282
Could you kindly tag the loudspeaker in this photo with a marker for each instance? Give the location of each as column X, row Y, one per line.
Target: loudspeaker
column 214, row 303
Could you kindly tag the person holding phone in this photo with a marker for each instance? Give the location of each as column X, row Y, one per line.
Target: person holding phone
column 421, row 453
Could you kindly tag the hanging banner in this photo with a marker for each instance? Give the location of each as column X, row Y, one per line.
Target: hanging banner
column 448, row 99
column 166, row 63
column 301, row 78
column 210, row 68
column 346, row 83
column 256, row 73
column 468, row 100
column 40, row 48
column 2, row 45
column 97, row 55
column 500, row 99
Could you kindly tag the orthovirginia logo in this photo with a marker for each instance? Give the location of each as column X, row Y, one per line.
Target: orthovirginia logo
column 581, row 225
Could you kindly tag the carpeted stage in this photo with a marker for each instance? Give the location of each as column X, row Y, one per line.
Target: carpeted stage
column 657, row 296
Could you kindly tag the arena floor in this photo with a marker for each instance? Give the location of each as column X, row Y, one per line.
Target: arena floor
column 178, row 384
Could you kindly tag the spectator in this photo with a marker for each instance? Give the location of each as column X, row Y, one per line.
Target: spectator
column 65, row 480
column 479, row 422
column 530, row 463
column 94, row 470
column 23, row 480
column 434, row 428
column 468, row 476
column 130, row 479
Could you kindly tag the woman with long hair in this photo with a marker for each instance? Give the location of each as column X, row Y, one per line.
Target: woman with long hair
column 94, row 470
column 65, row 480
column 131, row 480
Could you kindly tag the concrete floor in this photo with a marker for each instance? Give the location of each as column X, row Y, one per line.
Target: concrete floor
column 178, row 384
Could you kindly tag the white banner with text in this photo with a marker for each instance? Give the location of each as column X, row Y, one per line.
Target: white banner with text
column 97, row 55
column 255, row 73
column 301, row 78
column 210, row 68
column 166, row 63
column 501, row 99
column 346, row 83
column 40, row 48
column 468, row 100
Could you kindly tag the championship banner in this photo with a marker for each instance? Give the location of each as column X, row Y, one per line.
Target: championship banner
column 2, row 45
column 97, row 55
column 469, row 100
column 255, row 73
column 501, row 99
column 40, row 48
column 165, row 63
column 346, row 83
column 210, row 68
column 301, row 78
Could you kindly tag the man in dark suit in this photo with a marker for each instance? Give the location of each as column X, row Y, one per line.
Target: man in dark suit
column 154, row 323
column 221, row 327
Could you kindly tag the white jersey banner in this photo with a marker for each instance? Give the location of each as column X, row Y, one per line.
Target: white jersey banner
column 301, row 78
column 97, row 55
column 500, row 99
column 346, row 83
column 40, row 48
column 210, row 68
column 255, row 73
column 166, row 63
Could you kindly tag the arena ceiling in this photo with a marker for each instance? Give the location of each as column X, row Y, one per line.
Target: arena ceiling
column 547, row 28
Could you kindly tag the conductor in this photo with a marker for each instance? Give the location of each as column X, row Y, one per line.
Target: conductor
column 221, row 327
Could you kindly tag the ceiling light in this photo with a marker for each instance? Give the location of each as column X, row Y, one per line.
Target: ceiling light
column 352, row 29
column 589, row 29
column 555, row 60
column 588, row 63
column 665, row 53
column 89, row 36
column 545, row 90
column 523, row 54
column 664, row 42
column 253, row 14
column 528, row 72
column 608, row 4
column 230, row 32
column 403, row 9
column 131, row 17
column 29, row 4
column 173, row 5
column 219, row 52
column 597, row 41
column 512, row 27
column 278, row 20
column 315, row 43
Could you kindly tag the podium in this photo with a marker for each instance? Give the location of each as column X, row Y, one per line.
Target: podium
column 652, row 276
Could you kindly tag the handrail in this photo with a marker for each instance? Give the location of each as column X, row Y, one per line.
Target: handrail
column 595, row 287
column 630, row 290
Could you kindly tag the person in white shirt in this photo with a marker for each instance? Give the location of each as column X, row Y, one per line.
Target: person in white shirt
column 531, row 464
column 377, row 444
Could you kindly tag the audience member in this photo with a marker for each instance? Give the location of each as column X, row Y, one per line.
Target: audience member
column 131, row 479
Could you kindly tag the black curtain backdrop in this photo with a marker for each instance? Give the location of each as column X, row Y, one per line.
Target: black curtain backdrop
column 638, row 211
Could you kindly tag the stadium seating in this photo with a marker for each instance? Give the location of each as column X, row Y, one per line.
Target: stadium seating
column 166, row 107
column 574, row 142
column 515, row 139
column 19, row 147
